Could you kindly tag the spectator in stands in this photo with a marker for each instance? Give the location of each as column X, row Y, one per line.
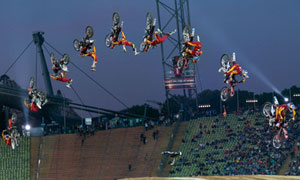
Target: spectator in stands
column 251, row 150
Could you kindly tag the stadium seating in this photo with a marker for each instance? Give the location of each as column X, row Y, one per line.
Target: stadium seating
column 15, row 164
column 204, row 153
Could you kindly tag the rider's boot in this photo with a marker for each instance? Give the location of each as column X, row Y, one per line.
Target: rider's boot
column 159, row 31
column 124, row 48
column 170, row 33
column 93, row 67
column 232, row 91
column 135, row 52
column 68, row 85
column 285, row 133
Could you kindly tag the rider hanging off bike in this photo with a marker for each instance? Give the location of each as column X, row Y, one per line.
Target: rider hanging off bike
column 281, row 114
column 11, row 135
column 37, row 99
column 230, row 70
column 112, row 39
column 60, row 68
column 149, row 33
column 191, row 49
column 86, row 46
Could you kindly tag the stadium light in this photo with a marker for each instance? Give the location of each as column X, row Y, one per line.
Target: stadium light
column 286, row 99
column 204, row 106
column 27, row 127
column 251, row 101
column 296, row 95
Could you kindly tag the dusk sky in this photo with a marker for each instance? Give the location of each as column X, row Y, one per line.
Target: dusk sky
column 265, row 34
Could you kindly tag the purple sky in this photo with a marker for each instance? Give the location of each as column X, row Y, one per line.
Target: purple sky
column 264, row 35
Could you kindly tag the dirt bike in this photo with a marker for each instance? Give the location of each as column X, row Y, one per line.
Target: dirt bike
column 35, row 96
column 63, row 62
column 227, row 91
column 278, row 139
column 89, row 32
column 111, row 37
column 144, row 46
column 185, row 58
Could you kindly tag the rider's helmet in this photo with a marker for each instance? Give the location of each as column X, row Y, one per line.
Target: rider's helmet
column 291, row 107
column 14, row 118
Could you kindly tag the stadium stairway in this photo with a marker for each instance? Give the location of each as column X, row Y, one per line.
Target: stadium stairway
column 165, row 141
column 176, row 146
column 35, row 150
column 285, row 167
column 149, row 154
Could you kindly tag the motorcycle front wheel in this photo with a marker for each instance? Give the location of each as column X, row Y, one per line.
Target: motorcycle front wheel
column 76, row 44
column 108, row 40
column 89, row 31
column 225, row 91
column 116, row 18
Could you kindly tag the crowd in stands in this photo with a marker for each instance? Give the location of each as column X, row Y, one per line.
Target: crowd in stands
column 294, row 165
column 233, row 146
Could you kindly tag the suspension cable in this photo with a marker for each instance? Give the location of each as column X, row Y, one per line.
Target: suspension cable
column 36, row 62
column 79, row 98
column 72, row 87
column 99, row 85
column 18, row 57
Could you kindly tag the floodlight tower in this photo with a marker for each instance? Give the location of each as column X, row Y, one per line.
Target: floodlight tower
column 178, row 13
column 38, row 41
